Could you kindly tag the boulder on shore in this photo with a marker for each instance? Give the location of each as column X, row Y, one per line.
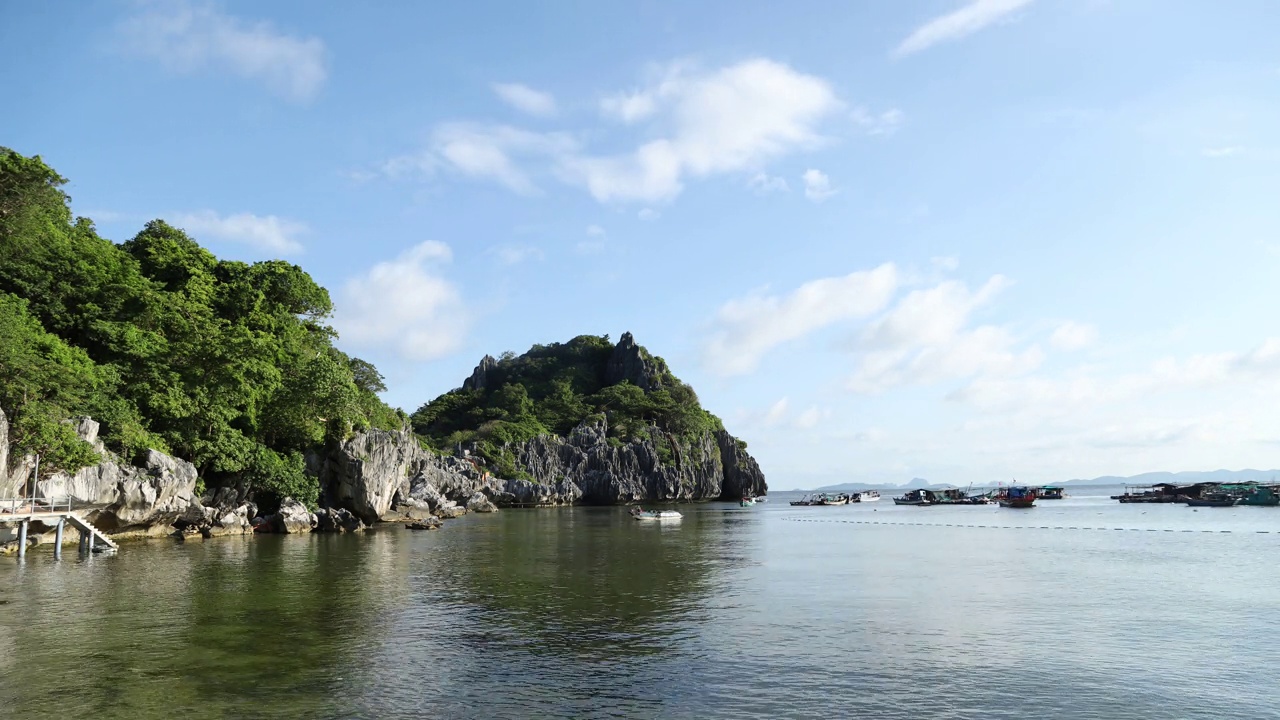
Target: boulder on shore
column 479, row 503
column 292, row 518
column 337, row 520
column 430, row 523
column 449, row 513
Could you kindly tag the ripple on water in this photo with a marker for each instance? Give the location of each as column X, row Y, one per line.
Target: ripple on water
column 745, row 614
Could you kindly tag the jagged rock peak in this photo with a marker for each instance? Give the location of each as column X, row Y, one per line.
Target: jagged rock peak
column 630, row 362
column 479, row 379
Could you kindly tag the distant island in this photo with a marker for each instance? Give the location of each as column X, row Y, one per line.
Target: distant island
column 1187, row 477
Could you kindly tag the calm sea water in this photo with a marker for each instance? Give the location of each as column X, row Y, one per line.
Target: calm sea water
column 869, row 610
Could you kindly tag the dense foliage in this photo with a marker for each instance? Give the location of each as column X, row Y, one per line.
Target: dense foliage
column 227, row 364
column 553, row 388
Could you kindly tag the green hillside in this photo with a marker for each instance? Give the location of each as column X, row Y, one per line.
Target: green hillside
column 553, row 388
column 229, row 365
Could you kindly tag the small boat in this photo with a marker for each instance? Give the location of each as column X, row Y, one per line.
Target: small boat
column 915, row 497
column 1018, row 496
column 868, row 496
column 1213, row 499
column 1049, row 492
column 761, row 499
column 748, row 501
column 802, row 501
column 836, row 499
column 642, row 514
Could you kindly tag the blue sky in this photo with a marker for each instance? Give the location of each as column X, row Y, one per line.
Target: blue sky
column 954, row 239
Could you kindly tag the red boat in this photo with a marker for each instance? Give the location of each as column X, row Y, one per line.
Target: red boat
column 1016, row 497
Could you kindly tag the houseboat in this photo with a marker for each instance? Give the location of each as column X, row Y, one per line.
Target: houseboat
column 1017, row 496
column 916, row 497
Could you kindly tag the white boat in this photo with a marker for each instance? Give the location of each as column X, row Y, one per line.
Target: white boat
column 642, row 514
column 868, row 496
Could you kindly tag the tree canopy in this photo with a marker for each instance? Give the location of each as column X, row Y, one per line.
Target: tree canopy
column 230, row 365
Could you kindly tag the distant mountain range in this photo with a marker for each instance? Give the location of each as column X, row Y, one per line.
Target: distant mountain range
column 1189, row 477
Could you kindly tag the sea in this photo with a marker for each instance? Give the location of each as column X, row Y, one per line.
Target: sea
column 1076, row 608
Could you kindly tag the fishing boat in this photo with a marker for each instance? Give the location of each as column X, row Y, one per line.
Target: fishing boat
column 802, row 501
column 1049, row 492
column 1261, row 497
column 829, row 499
column 642, row 514
column 1018, row 496
column 867, row 496
column 915, row 497
column 1213, row 499
column 748, row 501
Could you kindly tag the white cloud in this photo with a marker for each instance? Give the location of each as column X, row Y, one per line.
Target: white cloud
column 777, row 412
column 526, row 99
column 762, row 184
column 925, row 338
column 630, row 107
column 1219, row 152
column 1072, row 335
column 959, row 23
column 648, row 214
column 817, row 186
column 729, row 120
column 698, row 124
column 483, row 151
column 1089, row 388
column 269, row 234
column 516, row 254
column 746, row 329
column 405, row 305
column 595, row 231
column 191, row 36
column 810, row 417
column 884, row 123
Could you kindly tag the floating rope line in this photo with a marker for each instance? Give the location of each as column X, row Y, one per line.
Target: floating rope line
column 1020, row 527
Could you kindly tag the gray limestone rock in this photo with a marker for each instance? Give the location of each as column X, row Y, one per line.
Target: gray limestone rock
column 337, row 520
column 631, row 363
column 479, row 379
column 480, row 503
column 292, row 518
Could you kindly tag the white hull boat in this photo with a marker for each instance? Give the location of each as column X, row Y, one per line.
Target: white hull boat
column 639, row 514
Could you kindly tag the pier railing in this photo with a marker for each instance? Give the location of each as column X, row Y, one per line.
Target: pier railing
column 31, row 505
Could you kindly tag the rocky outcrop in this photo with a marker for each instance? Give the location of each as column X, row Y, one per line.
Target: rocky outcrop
column 657, row 467
column 480, row 503
column 629, row 362
column 479, row 379
column 380, row 475
column 147, row 499
column 742, row 475
column 376, row 471
column 293, row 517
column 337, row 520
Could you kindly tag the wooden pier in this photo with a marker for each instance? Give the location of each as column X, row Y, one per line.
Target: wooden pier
column 58, row 515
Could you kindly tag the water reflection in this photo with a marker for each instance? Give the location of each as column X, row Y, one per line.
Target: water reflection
column 586, row 613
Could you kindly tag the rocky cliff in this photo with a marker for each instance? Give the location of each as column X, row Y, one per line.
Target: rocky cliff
column 381, row 475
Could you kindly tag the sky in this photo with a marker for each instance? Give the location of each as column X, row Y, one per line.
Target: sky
column 970, row 241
